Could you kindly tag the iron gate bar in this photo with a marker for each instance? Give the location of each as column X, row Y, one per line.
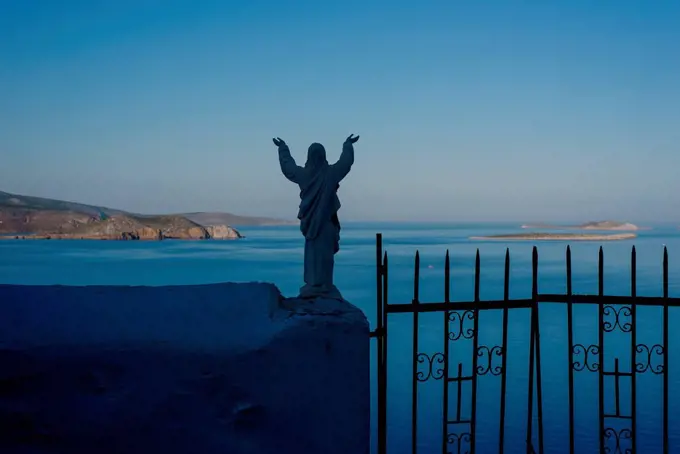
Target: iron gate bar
column 386, row 269
column 527, row 303
column 532, row 354
column 537, row 331
column 414, row 404
column 608, row 299
column 445, row 382
column 633, row 349
column 379, row 348
column 665, row 351
column 506, row 298
column 402, row 308
column 570, row 346
column 475, row 346
column 385, row 275
column 600, row 342
column 530, row 409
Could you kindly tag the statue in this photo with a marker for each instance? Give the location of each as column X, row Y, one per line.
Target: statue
column 318, row 213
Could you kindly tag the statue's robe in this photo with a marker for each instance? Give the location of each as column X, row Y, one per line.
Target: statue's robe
column 318, row 213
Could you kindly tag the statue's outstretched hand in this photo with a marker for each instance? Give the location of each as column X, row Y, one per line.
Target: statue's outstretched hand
column 279, row 142
column 352, row 139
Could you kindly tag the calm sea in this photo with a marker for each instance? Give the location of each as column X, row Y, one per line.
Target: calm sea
column 274, row 254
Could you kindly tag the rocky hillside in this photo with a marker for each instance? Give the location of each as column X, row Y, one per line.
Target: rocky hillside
column 34, row 217
column 13, row 201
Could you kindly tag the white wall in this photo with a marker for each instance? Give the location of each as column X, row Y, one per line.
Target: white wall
column 228, row 368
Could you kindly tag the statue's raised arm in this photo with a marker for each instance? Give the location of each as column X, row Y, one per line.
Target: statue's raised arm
column 289, row 168
column 344, row 164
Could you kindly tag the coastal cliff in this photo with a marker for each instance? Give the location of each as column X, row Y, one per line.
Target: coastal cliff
column 222, row 232
column 131, row 228
column 37, row 218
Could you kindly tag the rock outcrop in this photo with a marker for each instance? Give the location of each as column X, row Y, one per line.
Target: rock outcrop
column 147, row 233
column 222, row 232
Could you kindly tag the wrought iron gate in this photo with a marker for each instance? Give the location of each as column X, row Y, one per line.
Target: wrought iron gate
column 617, row 429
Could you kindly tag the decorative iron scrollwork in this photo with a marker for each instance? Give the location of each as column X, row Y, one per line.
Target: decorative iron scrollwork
column 617, row 442
column 487, row 366
column 460, row 442
column 436, row 373
column 588, row 353
column 646, row 363
column 457, row 319
column 617, row 319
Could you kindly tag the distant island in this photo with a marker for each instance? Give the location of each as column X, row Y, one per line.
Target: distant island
column 26, row 217
column 538, row 236
column 593, row 225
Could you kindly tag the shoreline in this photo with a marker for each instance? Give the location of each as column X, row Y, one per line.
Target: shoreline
column 70, row 238
column 606, row 226
column 557, row 237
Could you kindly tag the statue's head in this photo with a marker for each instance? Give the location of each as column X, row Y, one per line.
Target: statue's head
column 316, row 156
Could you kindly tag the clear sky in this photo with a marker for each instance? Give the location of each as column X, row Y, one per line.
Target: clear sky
column 467, row 110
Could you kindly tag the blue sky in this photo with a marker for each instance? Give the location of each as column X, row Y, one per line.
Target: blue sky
column 495, row 110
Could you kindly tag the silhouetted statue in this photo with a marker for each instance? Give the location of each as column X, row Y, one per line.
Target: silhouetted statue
column 318, row 214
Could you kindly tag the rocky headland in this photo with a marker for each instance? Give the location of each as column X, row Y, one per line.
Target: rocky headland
column 23, row 217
